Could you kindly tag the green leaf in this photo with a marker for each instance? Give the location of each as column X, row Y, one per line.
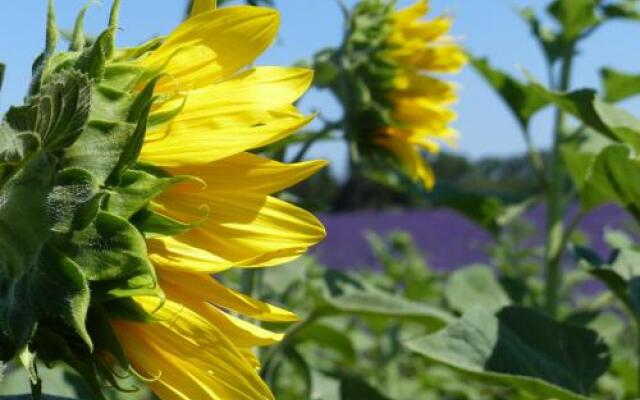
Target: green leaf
column 345, row 295
column 352, row 387
column 522, row 99
column 619, row 85
column 612, row 178
column 327, row 337
column 550, row 42
column 475, row 285
column 624, row 9
column 575, row 16
column 112, row 255
column 609, row 120
column 621, row 273
column 522, row 349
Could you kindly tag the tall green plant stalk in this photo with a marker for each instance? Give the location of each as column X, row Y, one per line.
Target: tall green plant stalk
column 556, row 204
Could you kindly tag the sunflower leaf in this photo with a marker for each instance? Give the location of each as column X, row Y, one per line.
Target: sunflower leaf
column 521, row 98
column 619, row 85
column 520, row 348
column 345, row 295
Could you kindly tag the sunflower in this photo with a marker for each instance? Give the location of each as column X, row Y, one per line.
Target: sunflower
column 420, row 101
column 198, row 349
column 127, row 180
column 386, row 75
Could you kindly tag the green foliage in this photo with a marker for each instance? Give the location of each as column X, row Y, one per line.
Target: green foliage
column 619, row 85
column 475, row 285
column 521, row 98
column 71, row 252
column 522, row 349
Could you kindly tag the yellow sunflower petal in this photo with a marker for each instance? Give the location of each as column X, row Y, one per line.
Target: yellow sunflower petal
column 199, row 141
column 191, row 358
column 257, row 174
column 200, row 6
column 213, row 45
column 203, row 286
column 411, row 159
column 415, row 11
column 245, row 227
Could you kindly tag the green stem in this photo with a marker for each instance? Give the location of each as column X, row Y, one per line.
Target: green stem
column 251, row 281
column 637, row 357
column 534, row 157
column 326, row 130
column 36, row 390
column 269, row 361
column 555, row 225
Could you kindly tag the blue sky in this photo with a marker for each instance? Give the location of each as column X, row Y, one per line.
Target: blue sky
column 485, row 27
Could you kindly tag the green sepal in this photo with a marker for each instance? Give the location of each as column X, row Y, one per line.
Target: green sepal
column 59, row 113
column 162, row 117
column 128, row 310
column 16, row 146
column 93, row 59
column 123, row 76
column 103, row 336
column 59, row 289
column 74, row 200
column 98, row 149
column 78, row 40
column 24, row 219
column 138, row 114
column 112, row 254
column 155, row 225
column 135, row 190
column 28, row 361
column 18, row 314
column 55, row 347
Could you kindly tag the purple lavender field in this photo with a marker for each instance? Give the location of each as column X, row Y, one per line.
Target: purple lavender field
column 447, row 240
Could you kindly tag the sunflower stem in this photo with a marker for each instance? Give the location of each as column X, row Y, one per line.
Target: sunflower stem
column 271, row 357
column 555, row 202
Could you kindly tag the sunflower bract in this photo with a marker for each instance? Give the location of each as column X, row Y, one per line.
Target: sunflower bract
column 126, row 181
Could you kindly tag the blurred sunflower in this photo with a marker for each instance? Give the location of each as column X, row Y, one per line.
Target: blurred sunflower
column 218, row 110
column 396, row 103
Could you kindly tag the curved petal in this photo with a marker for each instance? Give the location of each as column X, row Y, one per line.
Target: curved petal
column 191, row 358
column 214, row 44
column 257, row 174
column 200, row 141
column 241, row 333
column 245, row 228
column 410, row 159
column 200, row 6
column 203, row 286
